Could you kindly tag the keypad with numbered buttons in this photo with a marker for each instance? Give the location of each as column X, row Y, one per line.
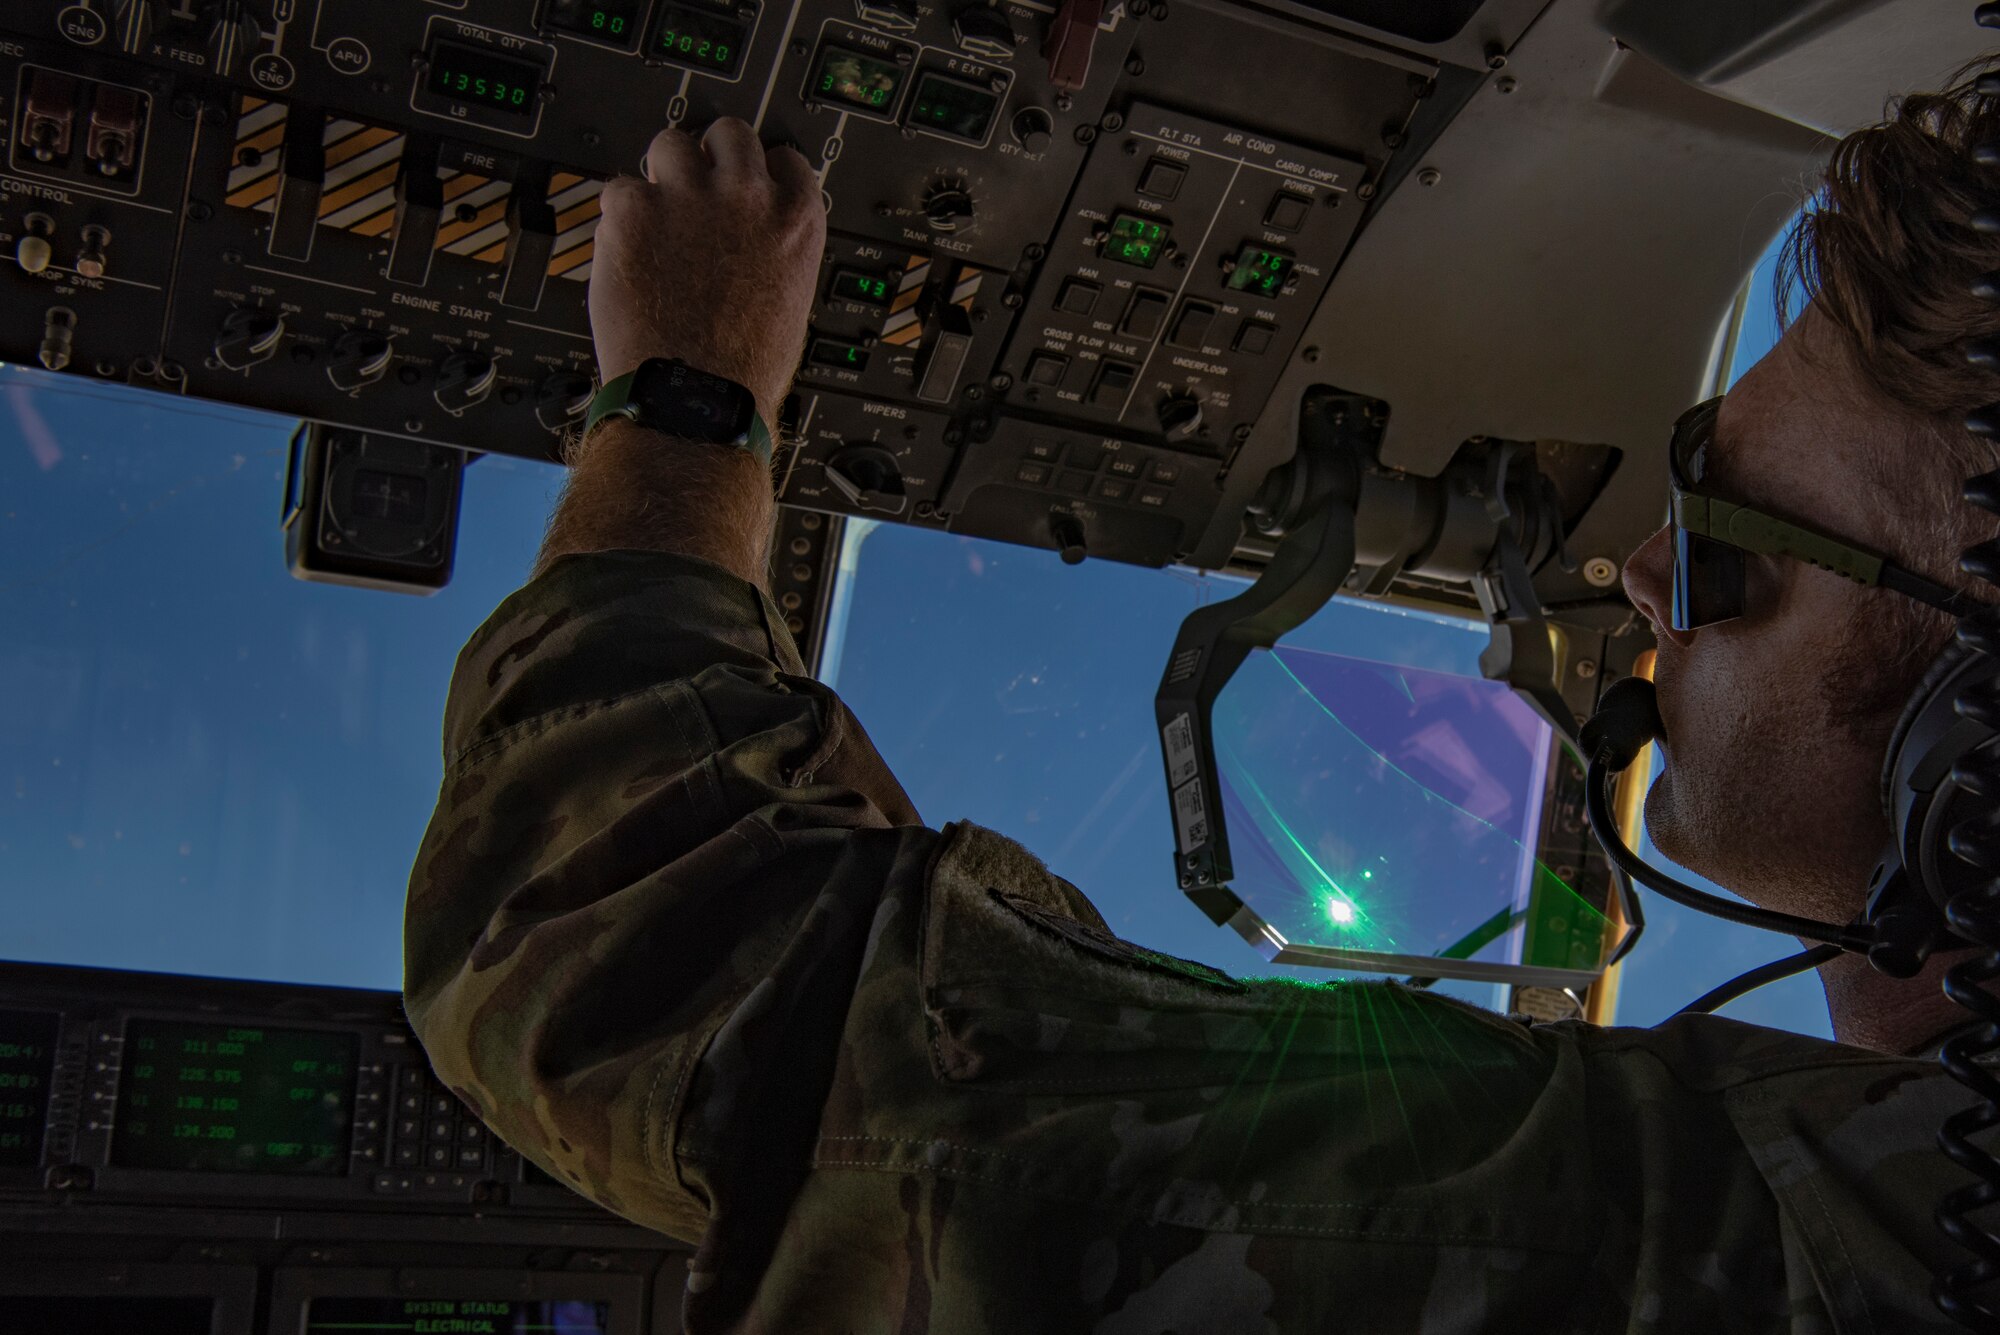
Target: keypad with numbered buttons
column 435, row 1141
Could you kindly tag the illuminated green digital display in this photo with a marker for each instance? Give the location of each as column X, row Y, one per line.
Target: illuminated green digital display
column 699, row 39
column 1136, row 240
column 839, row 355
column 856, row 79
column 859, row 285
column 212, row 1098
column 947, row 106
column 462, row 1316
column 612, row 22
column 27, row 1064
column 1259, row 270
column 470, row 74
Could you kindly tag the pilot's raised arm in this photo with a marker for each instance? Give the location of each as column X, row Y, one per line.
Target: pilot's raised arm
column 679, row 936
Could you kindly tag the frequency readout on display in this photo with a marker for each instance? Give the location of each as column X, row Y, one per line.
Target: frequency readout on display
column 462, row 1316
column 212, row 1098
column 1259, row 270
column 1135, row 240
column 469, row 74
column 612, row 22
column 699, row 39
column 856, row 79
column 27, row 1065
column 946, row 106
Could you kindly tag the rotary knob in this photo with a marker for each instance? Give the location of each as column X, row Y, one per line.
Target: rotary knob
column 1180, row 415
column 562, row 398
column 947, row 206
column 464, row 380
column 359, row 358
column 1032, row 129
column 233, row 36
column 132, row 22
column 248, row 336
column 1066, row 532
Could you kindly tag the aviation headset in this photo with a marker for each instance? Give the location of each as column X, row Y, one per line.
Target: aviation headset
column 1938, row 886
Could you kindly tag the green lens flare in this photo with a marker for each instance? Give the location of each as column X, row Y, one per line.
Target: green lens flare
column 1334, row 768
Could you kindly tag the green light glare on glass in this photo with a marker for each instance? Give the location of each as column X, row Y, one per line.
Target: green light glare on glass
column 1135, row 240
column 1393, row 810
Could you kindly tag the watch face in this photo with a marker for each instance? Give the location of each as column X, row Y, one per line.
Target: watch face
column 675, row 398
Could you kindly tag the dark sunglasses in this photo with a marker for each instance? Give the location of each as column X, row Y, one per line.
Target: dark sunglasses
column 1712, row 535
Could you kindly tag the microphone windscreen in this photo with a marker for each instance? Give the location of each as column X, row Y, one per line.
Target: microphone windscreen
column 1627, row 718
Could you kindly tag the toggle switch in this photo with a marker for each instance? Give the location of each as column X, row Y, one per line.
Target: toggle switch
column 33, row 251
column 48, row 115
column 300, row 181
column 58, row 328
column 91, row 261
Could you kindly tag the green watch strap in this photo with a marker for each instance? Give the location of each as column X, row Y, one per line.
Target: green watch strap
column 615, row 400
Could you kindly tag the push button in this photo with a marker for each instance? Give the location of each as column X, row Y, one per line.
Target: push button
column 1162, row 179
column 1033, row 474
column 1143, row 316
column 1043, row 450
column 1114, row 384
column 1124, row 466
column 1083, row 454
column 1047, row 368
column 1114, row 489
column 1076, row 484
column 1287, row 212
column 1254, row 337
column 1192, row 324
column 1078, row 296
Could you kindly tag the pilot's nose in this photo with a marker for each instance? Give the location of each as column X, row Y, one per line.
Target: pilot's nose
column 1649, row 574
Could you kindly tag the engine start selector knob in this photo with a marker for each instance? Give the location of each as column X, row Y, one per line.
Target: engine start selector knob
column 948, row 206
column 233, row 35
column 464, row 380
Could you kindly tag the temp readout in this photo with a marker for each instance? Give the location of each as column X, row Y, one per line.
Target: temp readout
column 1136, row 240
column 857, row 79
column 612, row 22
column 470, row 74
column 946, row 106
column 211, row 1098
column 699, row 39
column 1258, row 270
column 476, row 1316
column 859, row 285
column 27, row 1065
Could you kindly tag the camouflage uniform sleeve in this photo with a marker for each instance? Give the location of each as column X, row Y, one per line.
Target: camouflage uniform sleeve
column 676, row 933
column 643, row 795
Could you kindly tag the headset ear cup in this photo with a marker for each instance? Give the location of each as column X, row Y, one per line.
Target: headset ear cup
column 1922, row 698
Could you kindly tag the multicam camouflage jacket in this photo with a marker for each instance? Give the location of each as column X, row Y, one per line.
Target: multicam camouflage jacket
column 679, row 936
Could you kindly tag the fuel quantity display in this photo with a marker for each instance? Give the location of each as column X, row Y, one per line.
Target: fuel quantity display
column 212, row 1098
column 699, row 39
column 27, row 1064
column 857, row 79
column 458, row 1316
column 471, row 74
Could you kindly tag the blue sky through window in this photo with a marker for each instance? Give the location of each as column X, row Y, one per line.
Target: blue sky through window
column 212, row 768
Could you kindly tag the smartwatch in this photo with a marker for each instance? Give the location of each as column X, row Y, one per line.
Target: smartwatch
column 666, row 394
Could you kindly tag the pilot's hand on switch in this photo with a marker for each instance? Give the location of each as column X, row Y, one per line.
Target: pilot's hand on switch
column 714, row 259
